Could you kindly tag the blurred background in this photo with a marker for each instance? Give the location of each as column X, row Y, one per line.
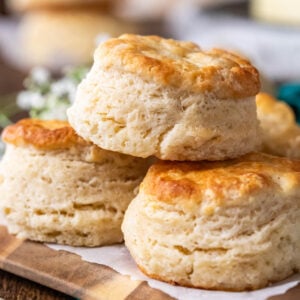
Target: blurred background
column 46, row 46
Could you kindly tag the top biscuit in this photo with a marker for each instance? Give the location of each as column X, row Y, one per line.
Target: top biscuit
column 149, row 96
column 180, row 64
column 42, row 134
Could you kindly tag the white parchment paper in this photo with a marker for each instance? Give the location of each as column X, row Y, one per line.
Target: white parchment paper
column 118, row 258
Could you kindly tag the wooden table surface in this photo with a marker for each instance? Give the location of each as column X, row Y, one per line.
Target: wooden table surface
column 15, row 288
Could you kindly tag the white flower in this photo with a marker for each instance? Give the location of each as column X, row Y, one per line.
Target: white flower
column 56, row 113
column 2, row 148
column 38, row 101
column 27, row 100
column 23, row 100
column 40, row 75
column 64, row 87
column 72, row 95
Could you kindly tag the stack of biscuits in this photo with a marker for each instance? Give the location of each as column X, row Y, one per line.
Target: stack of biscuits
column 57, row 33
column 210, row 213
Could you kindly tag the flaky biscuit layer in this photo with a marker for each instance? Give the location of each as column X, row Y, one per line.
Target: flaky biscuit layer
column 231, row 225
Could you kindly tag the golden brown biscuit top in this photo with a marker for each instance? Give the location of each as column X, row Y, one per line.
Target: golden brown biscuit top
column 221, row 183
column 181, row 64
column 42, row 134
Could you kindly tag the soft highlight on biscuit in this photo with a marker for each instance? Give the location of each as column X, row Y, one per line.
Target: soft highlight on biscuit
column 231, row 225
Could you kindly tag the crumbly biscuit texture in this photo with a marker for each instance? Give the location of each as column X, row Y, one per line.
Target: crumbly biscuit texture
column 55, row 187
column 280, row 132
column 231, row 225
column 124, row 113
column 56, row 196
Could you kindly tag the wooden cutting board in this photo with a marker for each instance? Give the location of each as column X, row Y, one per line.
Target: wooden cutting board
column 68, row 273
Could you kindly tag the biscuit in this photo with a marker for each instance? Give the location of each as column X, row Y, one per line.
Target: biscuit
column 146, row 95
column 28, row 5
column 231, row 225
column 56, row 187
column 55, row 38
column 280, row 132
